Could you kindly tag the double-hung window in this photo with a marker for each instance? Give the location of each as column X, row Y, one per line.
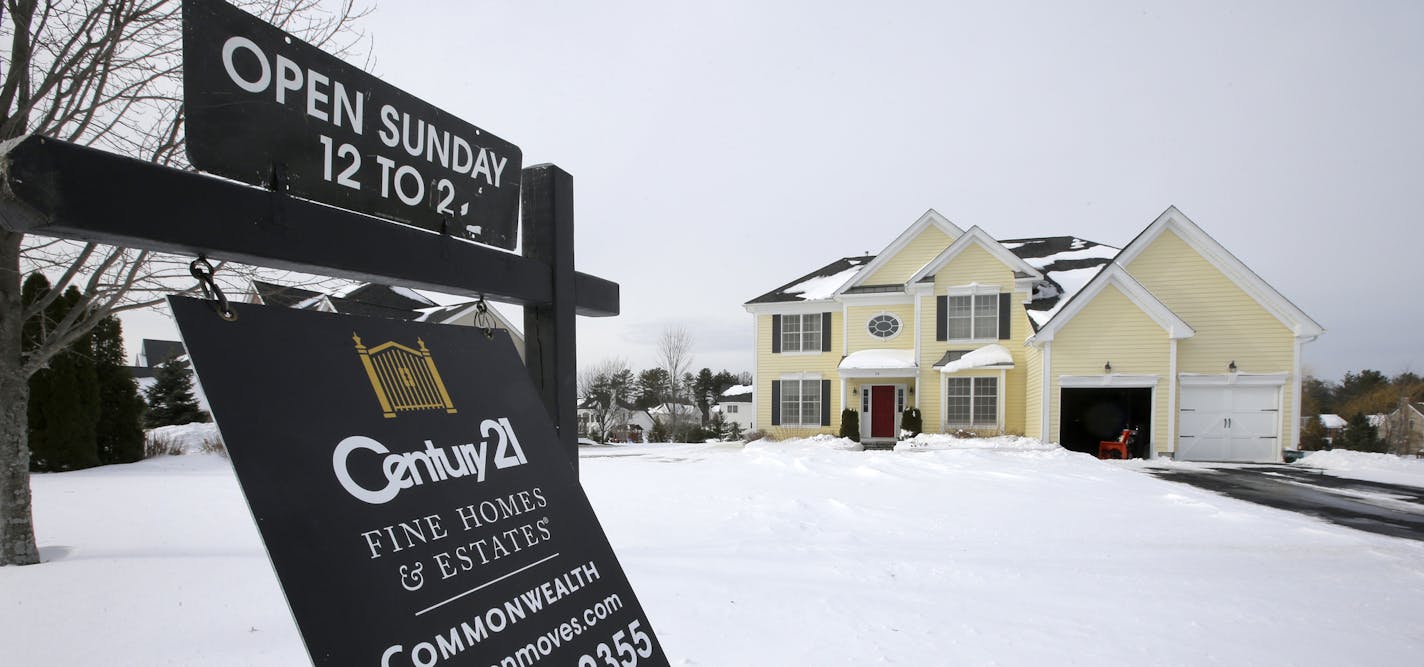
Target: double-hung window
column 972, row 402
column 801, row 402
column 801, row 333
column 973, row 316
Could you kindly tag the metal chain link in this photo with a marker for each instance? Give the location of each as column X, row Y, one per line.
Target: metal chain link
column 203, row 270
column 483, row 319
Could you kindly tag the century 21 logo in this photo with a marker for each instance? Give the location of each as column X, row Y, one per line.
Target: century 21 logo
column 404, row 379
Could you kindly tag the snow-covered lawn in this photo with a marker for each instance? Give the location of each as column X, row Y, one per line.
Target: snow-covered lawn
column 802, row 553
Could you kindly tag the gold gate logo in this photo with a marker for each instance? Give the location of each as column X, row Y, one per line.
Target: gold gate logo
column 404, row 379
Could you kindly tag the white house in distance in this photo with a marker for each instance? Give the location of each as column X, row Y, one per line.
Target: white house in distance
column 736, row 406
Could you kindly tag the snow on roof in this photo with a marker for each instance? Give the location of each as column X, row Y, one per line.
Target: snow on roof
column 1377, row 420
column 738, row 390
column 818, row 284
column 989, row 355
column 1067, row 262
column 822, row 287
column 878, row 359
column 1332, row 421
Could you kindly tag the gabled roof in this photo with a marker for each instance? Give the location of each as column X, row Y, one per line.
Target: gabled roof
column 1118, row 277
column 285, row 296
column 817, row 285
column 386, row 296
column 1288, row 313
column 155, row 352
column 930, row 218
column 975, row 235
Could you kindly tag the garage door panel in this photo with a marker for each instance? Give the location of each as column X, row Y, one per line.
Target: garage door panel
column 1229, row 423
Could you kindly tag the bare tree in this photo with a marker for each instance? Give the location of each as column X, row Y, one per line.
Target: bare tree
column 675, row 357
column 604, row 392
column 104, row 73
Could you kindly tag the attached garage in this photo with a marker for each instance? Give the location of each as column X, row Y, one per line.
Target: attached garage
column 1093, row 415
column 1224, row 420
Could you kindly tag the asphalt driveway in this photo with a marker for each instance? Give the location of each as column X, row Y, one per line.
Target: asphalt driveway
column 1387, row 509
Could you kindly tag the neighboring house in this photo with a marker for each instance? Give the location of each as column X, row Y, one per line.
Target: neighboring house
column 736, row 405
column 685, row 413
column 372, row 300
column 154, row 353
column 1057, row 338
column 629, row 424
column 1334, row 425
column 1403, row 429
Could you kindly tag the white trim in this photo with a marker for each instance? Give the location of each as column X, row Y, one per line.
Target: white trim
column 971, row 289
column 1046, row 369
column 1173, row 412
column 1218, row 256
column 1295, row 399
column 876, row 299
column 1003, row 392
column 859, row 373
column 1115, row 275
column 930, row 217
column 919, row 314
column 803, row 376
column 1108, row 380
column 1227, row 379
column 975, row 235
column 792, row 307
column 998, row 400
column 867, row 399
column 756, row 371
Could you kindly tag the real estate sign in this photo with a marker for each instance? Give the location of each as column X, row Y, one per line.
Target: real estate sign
column 268, row 109
column 411, row 493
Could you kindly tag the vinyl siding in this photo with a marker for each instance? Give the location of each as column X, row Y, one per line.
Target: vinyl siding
column 1230, row 325
column 858, row 317
column 929, row 243
column 1033, row 394
column 973, row 265
column 1111, row 328
column 772, row 366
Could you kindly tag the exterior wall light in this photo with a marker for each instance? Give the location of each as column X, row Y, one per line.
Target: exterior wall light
column 1107, row 368
column 1231, row 366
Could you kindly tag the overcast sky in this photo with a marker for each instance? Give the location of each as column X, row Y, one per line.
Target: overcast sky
column 720, row 149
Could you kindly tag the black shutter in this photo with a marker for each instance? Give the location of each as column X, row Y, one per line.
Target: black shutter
column 776, row 402
column 825, row 402
column 941, row 318
column 775, row 336
column 825, row 332
column 1004, row 305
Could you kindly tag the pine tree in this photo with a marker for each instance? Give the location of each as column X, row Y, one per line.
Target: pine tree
column 120, row 427
column 1360, row 436
column 64, row 396
column 170, row 398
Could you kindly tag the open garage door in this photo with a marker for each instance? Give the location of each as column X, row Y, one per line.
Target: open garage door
column 1092, row 415
column 1229, row 423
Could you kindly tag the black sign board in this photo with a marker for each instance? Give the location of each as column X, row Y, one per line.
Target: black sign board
column 268, row 109
column 411, row 492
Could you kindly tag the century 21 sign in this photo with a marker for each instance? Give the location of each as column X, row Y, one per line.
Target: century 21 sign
column 270, row 110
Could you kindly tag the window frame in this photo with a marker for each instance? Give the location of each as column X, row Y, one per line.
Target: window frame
column 979, row 296
column 976, row 401
column 801, row 402
column 899, row 325
column 802, row 334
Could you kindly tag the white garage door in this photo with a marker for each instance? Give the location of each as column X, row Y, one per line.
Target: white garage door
column 1231, row 423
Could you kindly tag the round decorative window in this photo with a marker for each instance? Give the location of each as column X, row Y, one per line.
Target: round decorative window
column 884, row 325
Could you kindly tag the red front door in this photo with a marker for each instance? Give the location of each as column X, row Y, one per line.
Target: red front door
column 882, row 411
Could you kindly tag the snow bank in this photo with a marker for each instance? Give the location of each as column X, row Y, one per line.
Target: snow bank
column 940, row 441
column 1385, row 468
column 189, row 437
column 823, row 441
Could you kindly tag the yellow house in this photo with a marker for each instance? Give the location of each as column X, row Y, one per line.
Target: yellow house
column 1057, row 338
